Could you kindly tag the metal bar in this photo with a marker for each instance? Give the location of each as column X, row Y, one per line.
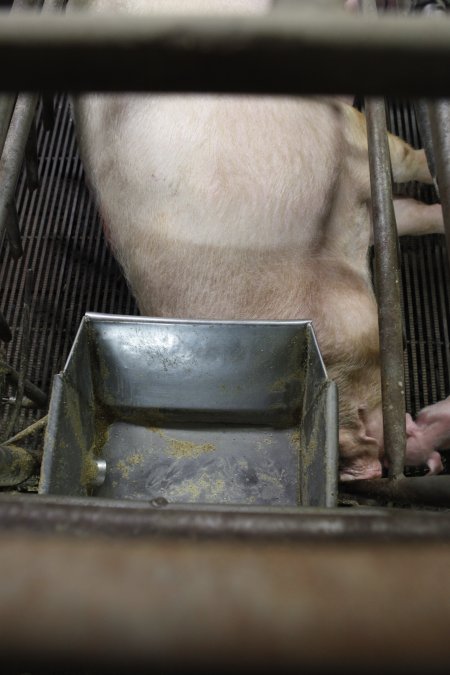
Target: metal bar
column 251, row 54
column 435, row 122
column 387, row 279
column 7, row 102
column 31, row 390
column 39, row 425
column 48, row 112
column 5, row 331
column 24, row 355
column 13, row 231
column 31, row 159
column 12, row 157
column 161, row 606
column 387, row 275
column 439, row 113
column 426, row 490
column 75, row 516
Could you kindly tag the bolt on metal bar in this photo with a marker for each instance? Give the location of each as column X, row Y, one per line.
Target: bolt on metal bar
column 251, row 54
column 387, row 278
column 33, row 392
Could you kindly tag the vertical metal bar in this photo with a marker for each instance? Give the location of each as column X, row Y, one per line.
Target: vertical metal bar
column 13, row 232
column 439, row 112
column 388, row 279
column 387, row 276
column 7, row 102
column 24, row 354
column 13, row 153
column 31, row 159
column 48, row 110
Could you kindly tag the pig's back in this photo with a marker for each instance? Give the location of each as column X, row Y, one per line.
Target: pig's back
column 252, row 173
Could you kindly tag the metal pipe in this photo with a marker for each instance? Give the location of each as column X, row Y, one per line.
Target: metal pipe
column 13, row 232
column 24, row 355
column 31, row 159
column 176, row 606
column 251, row 54
column 439, row 112
column 31, row 390
column 80, row 517
column 427, row 490
column 12, row 158
column 387, row 280
column 39, row 425
column 438, row 126
column 387, row 277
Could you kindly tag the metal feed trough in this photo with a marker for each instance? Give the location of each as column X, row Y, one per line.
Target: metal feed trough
column 193, row 412
column 105, row 569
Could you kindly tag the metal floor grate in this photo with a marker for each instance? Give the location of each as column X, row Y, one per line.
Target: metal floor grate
column 426, row 288
column 74, row 270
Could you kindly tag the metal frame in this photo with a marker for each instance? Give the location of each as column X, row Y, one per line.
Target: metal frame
column 129, row 585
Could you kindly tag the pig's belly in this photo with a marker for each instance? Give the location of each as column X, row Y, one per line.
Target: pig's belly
column 229, row 172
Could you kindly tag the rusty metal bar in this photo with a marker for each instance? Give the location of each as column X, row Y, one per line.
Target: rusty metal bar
column 387, row 281
column 76, row 516
column 439, row 112
column 387, row 276
column 425, row 490
column 24, row 355
column 33, row 392
column 435, row 118
column 251, row 54
column 169, row 606
column 11, row 161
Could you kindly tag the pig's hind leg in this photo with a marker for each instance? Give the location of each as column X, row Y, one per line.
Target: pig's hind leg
column 413, row 217
column 416, row 218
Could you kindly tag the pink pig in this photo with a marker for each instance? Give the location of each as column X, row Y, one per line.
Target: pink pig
column 247, row 207
column 429, row 432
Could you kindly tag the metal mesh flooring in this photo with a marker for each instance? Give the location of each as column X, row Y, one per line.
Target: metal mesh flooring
column 74, row 271
column 73, row 268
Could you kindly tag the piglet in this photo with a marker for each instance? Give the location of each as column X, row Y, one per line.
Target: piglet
column 428, row 433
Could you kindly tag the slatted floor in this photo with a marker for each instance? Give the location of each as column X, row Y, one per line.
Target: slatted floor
column 74, row 271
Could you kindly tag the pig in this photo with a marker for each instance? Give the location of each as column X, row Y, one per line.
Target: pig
column 431, row 429
column 246, row 207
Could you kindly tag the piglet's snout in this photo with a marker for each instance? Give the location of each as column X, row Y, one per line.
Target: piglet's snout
column 421, row 447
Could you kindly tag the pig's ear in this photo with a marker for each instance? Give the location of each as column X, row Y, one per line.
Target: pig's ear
column 411, row 426
column 366, row 433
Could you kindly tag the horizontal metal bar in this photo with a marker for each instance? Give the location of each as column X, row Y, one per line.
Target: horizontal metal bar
column 175, row 606
column 286, row 52
column 429, row 490
column 89, row 516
